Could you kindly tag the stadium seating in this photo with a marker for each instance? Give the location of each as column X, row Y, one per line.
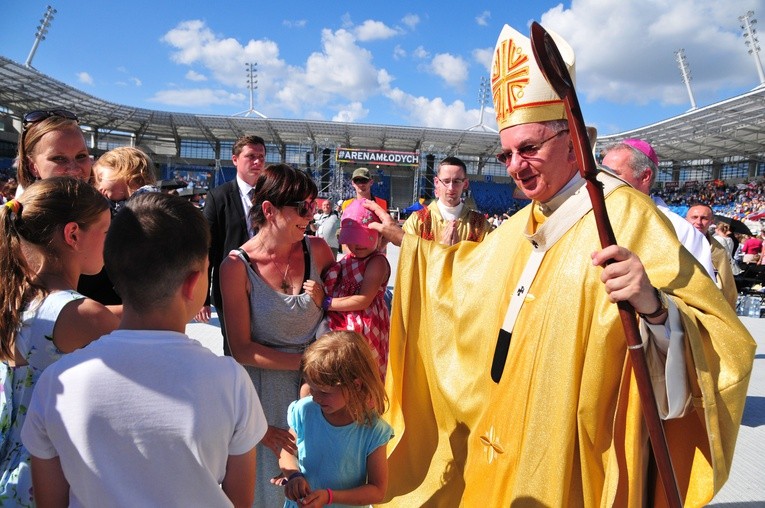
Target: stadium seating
column 495, row 198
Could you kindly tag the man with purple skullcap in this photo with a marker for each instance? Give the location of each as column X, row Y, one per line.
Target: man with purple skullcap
column 635, row 161
column 508, row 377
column 644, row 147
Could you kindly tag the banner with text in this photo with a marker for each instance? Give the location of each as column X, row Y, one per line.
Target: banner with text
column 384, row 157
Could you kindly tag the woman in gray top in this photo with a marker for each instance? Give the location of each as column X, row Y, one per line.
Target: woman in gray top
column 272, row 296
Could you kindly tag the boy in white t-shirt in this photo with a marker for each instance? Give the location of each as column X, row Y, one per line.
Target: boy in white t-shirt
column 147, row 416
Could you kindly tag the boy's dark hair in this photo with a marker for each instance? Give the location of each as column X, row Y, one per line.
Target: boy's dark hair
column 152, row 245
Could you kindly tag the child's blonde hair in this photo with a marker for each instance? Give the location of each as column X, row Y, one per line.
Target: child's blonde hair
column 344, row 359
column 130, row 164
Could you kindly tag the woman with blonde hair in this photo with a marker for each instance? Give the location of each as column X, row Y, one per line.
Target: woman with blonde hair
column 51, row 144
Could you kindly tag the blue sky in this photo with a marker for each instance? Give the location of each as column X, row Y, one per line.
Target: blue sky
column 393, row 62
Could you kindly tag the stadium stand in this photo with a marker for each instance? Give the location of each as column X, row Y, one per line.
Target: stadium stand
column 722, row 140
column 494, row 198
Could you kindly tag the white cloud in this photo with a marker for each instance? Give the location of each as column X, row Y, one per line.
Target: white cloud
column 427, row 112
column 341, row 71
column 334, row 82
column 193, row 75
column 84, row 78
column 625, row 51
column 195, row 43
column 483, row 56
column 411, row 21
column 136, row 81
column 384, row 79
column 420, row 52
column 352, row 112
column 295, row 23
column 346, row 20
column 483, row 18
column 452, row 69
column 371, row 30
column 197, row 97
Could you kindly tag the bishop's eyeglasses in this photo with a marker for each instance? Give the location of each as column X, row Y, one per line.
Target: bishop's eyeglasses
column 526, row 151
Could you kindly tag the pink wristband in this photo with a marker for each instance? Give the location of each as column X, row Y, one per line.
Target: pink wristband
column 329, row 491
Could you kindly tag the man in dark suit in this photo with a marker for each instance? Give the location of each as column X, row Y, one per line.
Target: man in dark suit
column 226, row 209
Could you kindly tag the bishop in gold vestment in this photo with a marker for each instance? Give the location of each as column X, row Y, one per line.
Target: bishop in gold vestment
column 563, row 426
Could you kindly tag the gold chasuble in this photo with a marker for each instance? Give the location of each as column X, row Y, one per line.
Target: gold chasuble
column 563, row 427
column 428, row 223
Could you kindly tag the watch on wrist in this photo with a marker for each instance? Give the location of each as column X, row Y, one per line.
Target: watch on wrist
column 661, row 309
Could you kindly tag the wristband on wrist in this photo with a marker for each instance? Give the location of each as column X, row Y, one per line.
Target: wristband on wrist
column 329, row 492
column 661, row 309
column 326, row 303
column 294, row 475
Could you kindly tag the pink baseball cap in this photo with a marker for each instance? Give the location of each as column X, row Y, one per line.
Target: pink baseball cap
column 354, row 226
column 644, row 147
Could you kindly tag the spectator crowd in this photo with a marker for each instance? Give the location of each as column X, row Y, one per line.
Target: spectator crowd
column 740, row 201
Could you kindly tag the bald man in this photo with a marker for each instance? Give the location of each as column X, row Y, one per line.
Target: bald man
column 700, row 216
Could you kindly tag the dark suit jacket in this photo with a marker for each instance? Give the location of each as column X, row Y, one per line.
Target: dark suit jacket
column 228, row 231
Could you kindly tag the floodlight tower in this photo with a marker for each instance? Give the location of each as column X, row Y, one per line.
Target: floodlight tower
column 252, row 85
column 483, row 94
column 686, row 73
column 40, row 34
column 750, row 36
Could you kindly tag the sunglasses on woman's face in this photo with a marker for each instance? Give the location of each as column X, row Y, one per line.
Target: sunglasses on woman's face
column 304, row 208
column 41, row 114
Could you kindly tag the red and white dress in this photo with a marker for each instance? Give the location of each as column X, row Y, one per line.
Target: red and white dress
column 344, row 279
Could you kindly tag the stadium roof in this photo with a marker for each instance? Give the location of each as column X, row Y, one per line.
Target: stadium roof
column 23, row 89
column 726, row 131
column 730, row 130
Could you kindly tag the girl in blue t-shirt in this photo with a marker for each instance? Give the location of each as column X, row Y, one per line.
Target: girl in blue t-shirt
column 340, row 436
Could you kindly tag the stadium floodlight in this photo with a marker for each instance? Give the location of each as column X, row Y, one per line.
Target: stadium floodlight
column 251, row 69
column 682, row 63
column 483, row 95
column 751, row 41
column 40, row 34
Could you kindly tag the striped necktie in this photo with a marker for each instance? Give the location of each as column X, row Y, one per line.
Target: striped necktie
column 250, row 229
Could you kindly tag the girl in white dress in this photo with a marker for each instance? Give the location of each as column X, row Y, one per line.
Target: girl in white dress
column 58, row 226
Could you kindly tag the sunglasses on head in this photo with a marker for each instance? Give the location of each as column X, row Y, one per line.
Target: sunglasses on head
column 304, row 208
column 41, row 114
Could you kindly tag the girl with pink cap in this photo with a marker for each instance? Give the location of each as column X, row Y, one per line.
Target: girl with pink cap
column 355, row 286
